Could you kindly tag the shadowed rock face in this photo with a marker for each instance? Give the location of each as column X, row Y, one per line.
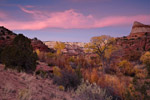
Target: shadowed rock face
column 139, row 28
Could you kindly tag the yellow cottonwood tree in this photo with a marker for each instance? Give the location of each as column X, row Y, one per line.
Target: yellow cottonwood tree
column 59, row 46
column 103, row 47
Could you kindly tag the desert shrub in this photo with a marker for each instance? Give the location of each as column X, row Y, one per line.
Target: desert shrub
column 140, row 89
column 57, row 71
column 72, row 59
column 87, row 91
column 41, row 56
column 42, row 73
column 82, row 61
column 133, row 55
column 20, row 55
column 61, row 88
column 91, row 75
column 45, row 56
column 59, row 46
column 115, row 86
column 9, row 88
column 126, row 68
column 57, row 60
column 78, row 72
column 68, row 79
column 145, row 58
column 24, row 94
column 94, row 76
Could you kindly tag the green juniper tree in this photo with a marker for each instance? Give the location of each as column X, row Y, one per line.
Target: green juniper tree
column 20, row 55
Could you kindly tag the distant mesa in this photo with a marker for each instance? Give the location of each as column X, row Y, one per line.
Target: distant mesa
column 71, row 48
column 138, row 40
column 139, row 28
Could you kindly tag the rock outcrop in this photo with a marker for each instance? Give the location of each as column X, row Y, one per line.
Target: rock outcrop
column 38, row 44
column 7, row 36
column 137, row 42
column 139, row 28
column 71, row 48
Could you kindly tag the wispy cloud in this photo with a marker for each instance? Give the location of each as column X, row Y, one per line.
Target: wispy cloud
column 67, row 19
column 3, row 15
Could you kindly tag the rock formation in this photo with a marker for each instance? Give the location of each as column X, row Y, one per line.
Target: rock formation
column 137, row 41
column 71, row 48
column 139, row 28
column 7, row 36
column 38, row 44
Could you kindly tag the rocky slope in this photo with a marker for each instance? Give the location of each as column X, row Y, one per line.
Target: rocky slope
column 7, row 36
column 22, row 86
column 38, row 44
column 139, row 38
column 136, row 43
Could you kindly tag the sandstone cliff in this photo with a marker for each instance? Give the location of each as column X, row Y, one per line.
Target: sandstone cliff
column 139, row 38
column 137, row 42
column 139, row 28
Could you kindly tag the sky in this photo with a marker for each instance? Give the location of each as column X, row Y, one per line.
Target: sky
column 72, row 20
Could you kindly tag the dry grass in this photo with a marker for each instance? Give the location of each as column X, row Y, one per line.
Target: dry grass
column 22, row 86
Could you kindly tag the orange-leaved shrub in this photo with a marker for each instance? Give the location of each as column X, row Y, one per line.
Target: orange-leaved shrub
column 126, row 68
column 145, row 58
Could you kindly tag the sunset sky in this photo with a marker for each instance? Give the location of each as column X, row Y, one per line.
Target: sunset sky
column 72, row 20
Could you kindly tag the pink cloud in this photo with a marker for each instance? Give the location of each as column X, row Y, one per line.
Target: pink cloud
column 68, row 19
column 122, row 20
